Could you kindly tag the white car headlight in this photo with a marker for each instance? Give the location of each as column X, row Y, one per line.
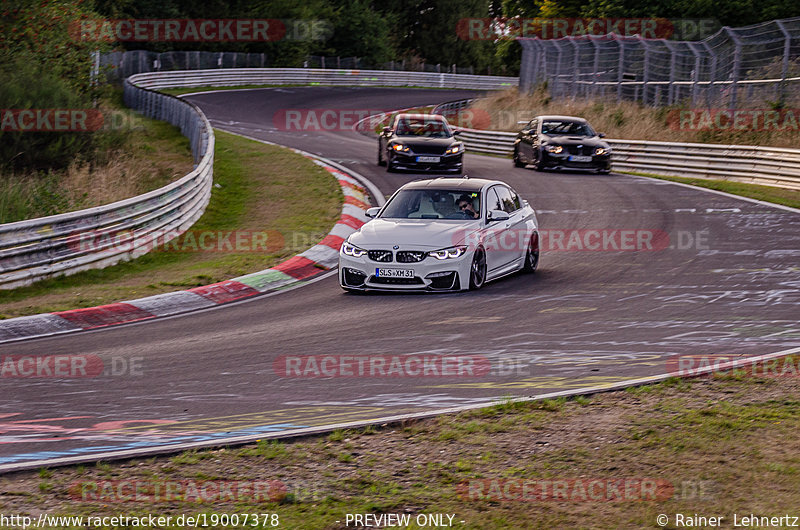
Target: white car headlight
column 352, row 250
column 455, row 149
column 448, row 253
column 554, row 149
column 602, row 151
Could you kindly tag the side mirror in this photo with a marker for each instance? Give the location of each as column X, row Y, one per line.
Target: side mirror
column 456, row 132
column 387, row 130
column 497, row 215
column 372, row 212
column 601, row 135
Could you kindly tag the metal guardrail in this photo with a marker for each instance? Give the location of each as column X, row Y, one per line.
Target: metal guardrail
column 98, row 237
column 315, row 76
column 768, row 166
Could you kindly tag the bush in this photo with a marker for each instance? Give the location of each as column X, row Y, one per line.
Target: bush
column 26, row 85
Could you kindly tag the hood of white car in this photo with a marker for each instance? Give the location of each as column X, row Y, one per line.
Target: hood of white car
column 410, row 234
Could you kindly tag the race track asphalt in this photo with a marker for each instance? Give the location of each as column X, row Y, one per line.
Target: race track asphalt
column 727, row 282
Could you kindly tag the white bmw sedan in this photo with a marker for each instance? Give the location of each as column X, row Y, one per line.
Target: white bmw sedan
column 444, row 234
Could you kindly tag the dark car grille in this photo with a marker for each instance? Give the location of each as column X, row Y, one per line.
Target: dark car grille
column 584, row 150
column 383, row 256
column 410, row 256
column 428, row 149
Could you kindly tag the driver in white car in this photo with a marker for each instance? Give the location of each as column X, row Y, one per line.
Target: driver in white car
column 465, row 205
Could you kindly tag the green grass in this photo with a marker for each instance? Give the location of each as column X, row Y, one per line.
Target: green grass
column 782, row 196
column 257, row 187
column 720, row 447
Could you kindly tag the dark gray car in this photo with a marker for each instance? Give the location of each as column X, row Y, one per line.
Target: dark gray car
column 561, row 142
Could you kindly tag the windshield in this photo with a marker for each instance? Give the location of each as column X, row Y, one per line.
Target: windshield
column 566, row 128
column 434, row 204
column 429, row 127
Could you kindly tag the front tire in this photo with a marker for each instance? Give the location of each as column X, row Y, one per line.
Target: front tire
column 517, row 160
column 477, row 271
column 532, row 254
column 381, row 161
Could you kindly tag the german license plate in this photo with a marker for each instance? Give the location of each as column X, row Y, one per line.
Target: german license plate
column 394, row 273
column 575, row 158
column 434, row 159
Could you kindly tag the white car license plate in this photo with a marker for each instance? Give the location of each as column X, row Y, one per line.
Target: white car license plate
column 575, row 158
column 394, row 273
column 434, row 159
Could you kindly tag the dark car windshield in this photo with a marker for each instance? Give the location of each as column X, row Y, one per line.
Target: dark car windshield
column 433, row 204
column 429, row 127
column 566, row 128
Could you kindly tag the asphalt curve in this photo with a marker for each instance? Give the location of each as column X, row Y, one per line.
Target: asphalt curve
column 726, row 282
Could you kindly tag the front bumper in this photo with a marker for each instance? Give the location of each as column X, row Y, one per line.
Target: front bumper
column 401, row 160
column 562, row 161
column 430, row 274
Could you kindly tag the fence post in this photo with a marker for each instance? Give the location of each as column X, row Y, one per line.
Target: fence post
column 620, row 66
column 646, row 74
column 671, row 87
column 695, row 72
column 787, row 44
column 596, row 65
column 575, row 67
column 712, row 76
column 737, row 63
column 557, row 79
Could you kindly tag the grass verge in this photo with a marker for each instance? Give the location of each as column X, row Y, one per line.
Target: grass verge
column 782, row 196
column 717, row 446
column 258, row 188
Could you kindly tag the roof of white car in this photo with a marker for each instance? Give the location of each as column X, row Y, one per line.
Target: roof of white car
column 450, row 184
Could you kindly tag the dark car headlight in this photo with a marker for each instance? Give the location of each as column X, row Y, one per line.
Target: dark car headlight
column 602, row 151
column 400, row 148
column 553, row 149
column 454, row 150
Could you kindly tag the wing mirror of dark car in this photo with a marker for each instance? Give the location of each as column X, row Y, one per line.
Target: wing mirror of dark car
column 372, row 212
column 456, row 132
column 601, row 135
column 387, row 130
column 497, row 215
